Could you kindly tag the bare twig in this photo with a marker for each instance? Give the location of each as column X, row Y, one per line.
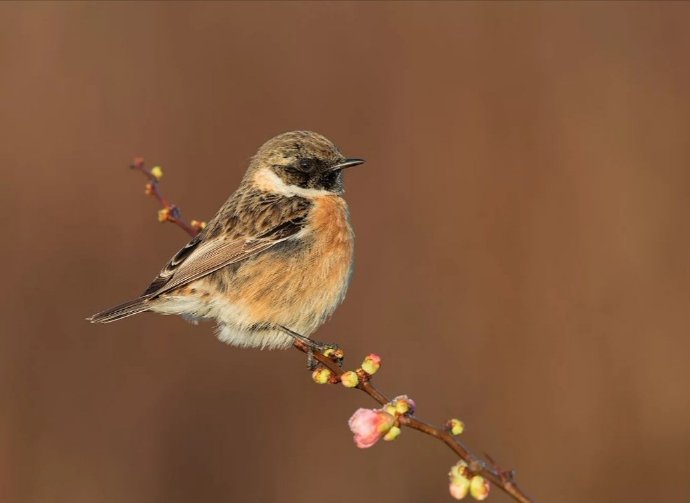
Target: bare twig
column 504, row 479
column 169, row 212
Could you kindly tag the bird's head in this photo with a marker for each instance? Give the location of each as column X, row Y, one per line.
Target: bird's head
column 299, row 163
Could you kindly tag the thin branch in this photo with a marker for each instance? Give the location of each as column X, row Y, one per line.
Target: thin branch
column 169, row 212
column 504, row 479
column 501, row 478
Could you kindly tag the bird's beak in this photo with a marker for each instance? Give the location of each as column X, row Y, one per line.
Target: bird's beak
column 347, row 163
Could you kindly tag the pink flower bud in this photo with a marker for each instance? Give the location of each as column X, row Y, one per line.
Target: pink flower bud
column 369, row 426
column 459, row 483
column 459, row 488
column 371, row 364
column 479, row 487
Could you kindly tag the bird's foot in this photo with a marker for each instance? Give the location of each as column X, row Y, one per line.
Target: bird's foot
column 330, row 350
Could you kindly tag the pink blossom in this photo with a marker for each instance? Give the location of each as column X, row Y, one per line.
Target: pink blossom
column 369, row 426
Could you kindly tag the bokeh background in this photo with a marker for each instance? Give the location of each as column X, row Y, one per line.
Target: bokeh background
column 522, row 246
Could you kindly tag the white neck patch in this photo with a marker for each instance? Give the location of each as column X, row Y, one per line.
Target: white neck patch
column 267, row 180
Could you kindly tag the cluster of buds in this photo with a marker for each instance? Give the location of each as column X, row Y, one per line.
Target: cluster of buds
column 462, row 482
column 368, row 426
column 350, row 378
column 371, row 425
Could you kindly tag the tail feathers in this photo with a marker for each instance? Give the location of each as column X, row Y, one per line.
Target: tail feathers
column 130, row 308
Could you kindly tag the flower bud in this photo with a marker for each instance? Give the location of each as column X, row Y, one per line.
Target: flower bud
column 459, row 470
column 349, row 379
column 455, row 426
column 321, row 375
column 157, row 173
column 392, row 434
column 198, row 224
column 371, row 364
column 479, row 487
column 403, row 404
column 369, row 425
column 334, row 353
column 459, row 481
column 163, row 215
column 148, row 189
column 459, row 488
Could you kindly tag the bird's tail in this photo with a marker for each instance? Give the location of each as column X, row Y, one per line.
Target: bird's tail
column 130, row 308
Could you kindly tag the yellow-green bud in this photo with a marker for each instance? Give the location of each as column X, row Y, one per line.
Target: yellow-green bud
column 321, row 375
column 479, row 487
column 403, row 404
column 349, row 379
column 455, row 426
column 459, row 481
column 459, row 469
column 371, row 364
column 157, row 172
column 459, row 488
column 392, row 434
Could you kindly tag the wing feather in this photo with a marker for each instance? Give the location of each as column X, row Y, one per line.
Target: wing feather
column 201, row 257
column 234, row 235
column 214, row 255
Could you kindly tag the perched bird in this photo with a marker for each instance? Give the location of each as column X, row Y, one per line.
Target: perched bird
column 275, row 261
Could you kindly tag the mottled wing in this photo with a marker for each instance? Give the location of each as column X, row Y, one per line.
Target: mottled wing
column 209, row 252
column 170, row 268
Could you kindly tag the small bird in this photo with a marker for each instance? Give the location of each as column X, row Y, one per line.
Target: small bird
column 275, row 261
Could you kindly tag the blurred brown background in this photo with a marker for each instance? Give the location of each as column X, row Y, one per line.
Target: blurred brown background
column 522, row 252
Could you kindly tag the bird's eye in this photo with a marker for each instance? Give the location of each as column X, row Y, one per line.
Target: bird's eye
column 306, row 164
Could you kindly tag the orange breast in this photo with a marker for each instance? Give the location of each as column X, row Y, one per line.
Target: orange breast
column 330, row 256
column 330, row 223
column 300, row 287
